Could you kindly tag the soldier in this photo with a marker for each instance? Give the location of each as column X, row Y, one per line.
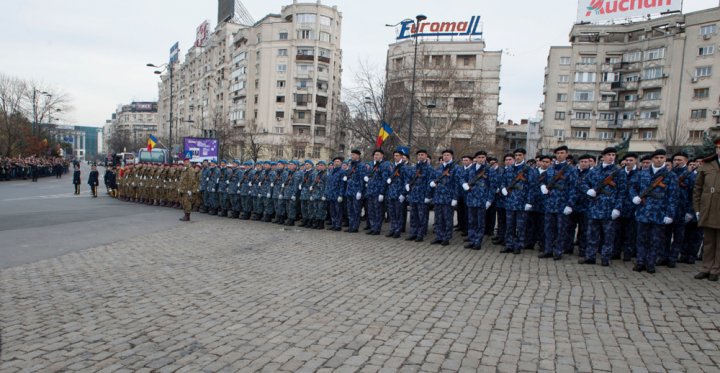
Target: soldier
column 417, row 188
column 625, row 235
column 186, row 187
column 304, row 189
column 76, row 178
column 334, row 193
column 396, row 193
column 318, row 199
column 222, row 185
column 197, row 195
column 693, row 234
column 517, row 183
column 354, row 190
column 707, row 207
column 675, row 232
column 214, row 175
column 461, row 210
column 233, row 189
column 444, row 188
column 508, row 163
column 256, row 190
column 246, row 189
column 559, row 192
column 93, row 180
column 204, row 189
column 277, row 187
column 376, row 190
column 655, row 194
column 606, row 187
column 536, row 232
column 477, row 183
column 292, row 191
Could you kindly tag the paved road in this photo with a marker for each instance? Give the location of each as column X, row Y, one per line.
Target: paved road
column 227, row 295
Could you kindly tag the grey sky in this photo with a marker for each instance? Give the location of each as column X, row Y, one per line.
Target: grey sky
column 96, row 50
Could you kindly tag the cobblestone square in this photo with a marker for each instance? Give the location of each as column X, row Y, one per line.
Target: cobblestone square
column 223, row 295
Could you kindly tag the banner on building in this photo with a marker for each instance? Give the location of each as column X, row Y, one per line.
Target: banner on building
column 201, row 34
column 471, row 27
column 605, row 10
column 174, row 52
column 202, row 149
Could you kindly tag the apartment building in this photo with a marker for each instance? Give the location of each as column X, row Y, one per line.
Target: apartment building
column 137, row 120
column 655, row 82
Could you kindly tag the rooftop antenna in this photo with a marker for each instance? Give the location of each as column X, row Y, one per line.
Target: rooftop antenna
column 242, row 16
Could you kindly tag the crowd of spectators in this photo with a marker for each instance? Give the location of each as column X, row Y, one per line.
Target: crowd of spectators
column 32, row 167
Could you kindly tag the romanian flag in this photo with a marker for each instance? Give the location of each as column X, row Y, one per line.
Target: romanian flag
column 385, row 132
column 151, row 142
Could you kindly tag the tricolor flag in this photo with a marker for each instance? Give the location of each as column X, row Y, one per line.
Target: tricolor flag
column 151, row 142
column 385, row 132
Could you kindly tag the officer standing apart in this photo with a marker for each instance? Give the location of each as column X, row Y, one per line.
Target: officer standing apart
column 76, row 178
column 94, row 180
column 186, row 188
column 706, row 201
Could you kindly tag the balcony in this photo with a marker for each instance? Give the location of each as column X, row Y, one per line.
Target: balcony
column 648, row 123
column 585, row 67
column 581, row 123
column 582, row 105
column 611, row 124
column 653, row 83
column 649, row 104
column 304, row 57
column 324, row 59
column 604, row 105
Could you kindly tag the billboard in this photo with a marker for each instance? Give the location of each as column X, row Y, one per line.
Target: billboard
column 606, row 10
column 201, row 33
column 144, row 107
column 174, row 53
column 446, row 28
column 201, row 148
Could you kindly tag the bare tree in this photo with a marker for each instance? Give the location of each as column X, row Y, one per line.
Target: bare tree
column 12, row 91
column 676, row 136
column 121, row 140
column 251, row 142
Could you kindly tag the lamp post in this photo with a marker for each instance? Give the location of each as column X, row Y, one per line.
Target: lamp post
column 418, row 19
column 34, row 99
column 169, row 68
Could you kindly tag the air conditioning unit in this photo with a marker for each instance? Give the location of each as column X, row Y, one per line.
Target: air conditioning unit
column 706, row 37
column 716, row 113
column 694, row 80
column 561, row 138
column 570, row 112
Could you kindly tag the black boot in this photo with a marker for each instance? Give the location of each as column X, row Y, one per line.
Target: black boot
column 186, row 217
column 320, row 224
column 290, row 222
column 303, row 223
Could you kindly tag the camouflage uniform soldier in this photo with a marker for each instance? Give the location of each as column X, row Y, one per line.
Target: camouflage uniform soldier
column 213, row 187
column 305, row 193
column 197, row 196
column 417, row 188
column 245, row 187
column 281, row 189
column 675, row 232
column 518, row 182
column 233, row 190
column 559, row 192
column 222, row 186
column 276, row 187
column 204, row 187
column 480, row 195
column 292, row 192
column 318, row 204
column 334, row 193
column 255, row 191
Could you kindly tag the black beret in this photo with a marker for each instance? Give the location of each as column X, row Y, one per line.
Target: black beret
column 492, row 159
column 448, row 151
column 421, row 151
column 545, row 157
column 609, row 150
column 338, row 158
column 560, row 148
column 629, row 155
column 379, row 151
column 658, row 152
column 356, row 151
column 508, row 155
column 480, row 152
column 585, row 156
column 467, row 156
column 645, row 157
column 519, row 150
column 680, row 154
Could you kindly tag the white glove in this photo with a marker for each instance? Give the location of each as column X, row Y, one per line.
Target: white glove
column 311, row 188
column 207, row 179
column 567, row 210
column 213, row 190
column 358, row 196
column 227, row 181
column 260, row 183
column 636, row 200
column 292, row 198
column 389, row 181
column 401, row 198
column 488, row 204
column 380, row 198
column 466, row 186
column 300, row 187
column 339, row 199
column 544, row 189
column 344, row 178
column 688, row 217
column 238, row 185
column 366, row 179
column 323, row 198
column 615, row 214
column 697, row 216
column 407, row 187
column 453, row 203
column 268, row 195
column 528, row 207
column 432, row 184
column 312, row 198
column 250, row 184
column 259, row 195
column 427, row 200
column 591, row 193
column 282, row 185
column 272, row 185
column 504, row 191
column 189, row 193
column 667, row 220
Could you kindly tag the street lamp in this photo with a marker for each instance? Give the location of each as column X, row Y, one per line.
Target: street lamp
column 169, row 68
column 34, row 99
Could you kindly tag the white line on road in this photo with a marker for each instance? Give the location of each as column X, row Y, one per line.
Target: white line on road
column 51, row 196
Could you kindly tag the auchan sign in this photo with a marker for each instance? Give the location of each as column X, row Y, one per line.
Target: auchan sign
column 603, row 10
column 408, row 28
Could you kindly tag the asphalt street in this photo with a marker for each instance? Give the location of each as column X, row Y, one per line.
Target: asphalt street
column 45, row 219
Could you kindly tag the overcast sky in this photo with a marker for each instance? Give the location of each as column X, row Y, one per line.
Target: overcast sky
column 96, row 51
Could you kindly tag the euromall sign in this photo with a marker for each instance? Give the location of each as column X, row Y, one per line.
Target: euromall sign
column 408, row 28
column 604, row 10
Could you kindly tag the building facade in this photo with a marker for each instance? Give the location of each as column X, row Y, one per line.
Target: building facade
column 457, row 87
column 85, row 142
column 655, row 82
column 275, row 84
column 135, row 121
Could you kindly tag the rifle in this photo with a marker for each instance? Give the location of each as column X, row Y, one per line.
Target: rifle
column 607, row 181
column 289, row 178
column 681, row 179
column 477, row 177
column 446, row 172
column 520, row 177
column 558, row 176
column 658, row 182
column 417, row 175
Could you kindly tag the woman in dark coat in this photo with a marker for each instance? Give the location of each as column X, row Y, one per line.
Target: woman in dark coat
column 76, row 178
column 93, row 180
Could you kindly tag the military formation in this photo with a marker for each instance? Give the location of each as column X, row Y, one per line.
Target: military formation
column 637, row 208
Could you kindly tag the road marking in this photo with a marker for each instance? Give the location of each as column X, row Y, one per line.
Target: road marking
column 50, row 196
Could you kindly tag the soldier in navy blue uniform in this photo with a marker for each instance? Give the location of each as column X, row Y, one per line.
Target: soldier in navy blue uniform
column 376, row 179
column 559, row 192
column 275, row 187
column 606, row 187
column 626, row 233
column 245, row 189
column 490, row 213
column 256, row 190
column 675, row 232
column 226, row 171
column 517, row 185
column 579, row 219
column 417, row 188
column 445, row 190
column 213, row 187
column 292, row 193
column 508, row 164
column 478, row 185
column 354, row 190
column 304, row 187
column 318, row 199
column 335, row 193
column 396, row 193
column 656, row 196
column 204, row 192
column 280, row 188
column 233, row 190
column 536, row 232
column 462, row 210
column 93, row 180
column 693, row 234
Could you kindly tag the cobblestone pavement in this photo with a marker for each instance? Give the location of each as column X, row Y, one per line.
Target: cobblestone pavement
column 224, row 295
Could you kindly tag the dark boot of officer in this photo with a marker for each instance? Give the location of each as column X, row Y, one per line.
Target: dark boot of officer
column 186, row 217
column 213, row 212
column 320, row 224
column 290, row 222
column 303, row 223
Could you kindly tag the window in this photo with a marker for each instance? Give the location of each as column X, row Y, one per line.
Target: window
column 648, row 135
column 278, row 150
column 306, row 34
column 259, row 38
column 652, row 73
column 701, row 93
column 560, row 115
column 281, row 68
column 605, row 135
column 325, row 36
column 305, row 51
column 628, row 115
column 584, row 77
column 322, row 52
column 280, row 84
column 325, row 21
column 562, row 97
column 299, row 152
column 632, row 56
column 697, row 135
column 305, row 18
column 650, row 114
column 631, row 78
column 706, row 50
column 698, row 114
column 587, row 60
column 558, row 133
column 581, row 134
column 703, row 71
column 707, row 30
column 631, row 97
column 607, row 116
column 610, row 77
column 282, row 52
column 564, row 60
column 613, row 59
column 606, row 97
column 279, row 98
column 283, row 35
column 279, row 114
column 301, row 115
column 316, row 151
column 563, row 78
column 654, row 54
column 304, row 67
column 302, row 84
column 652, row 95
column 583, row 95
column 583, row 115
